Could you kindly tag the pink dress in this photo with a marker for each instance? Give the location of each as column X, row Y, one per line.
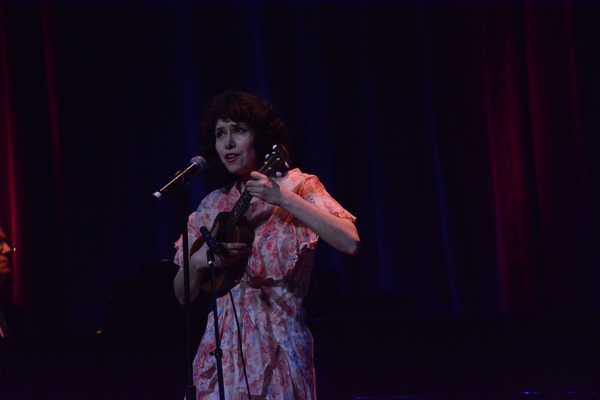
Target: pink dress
column 277, row 345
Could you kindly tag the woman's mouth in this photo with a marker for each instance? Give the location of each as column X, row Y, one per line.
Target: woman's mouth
column 231, row 157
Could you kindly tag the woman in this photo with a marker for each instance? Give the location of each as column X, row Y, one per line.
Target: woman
column 288, row 213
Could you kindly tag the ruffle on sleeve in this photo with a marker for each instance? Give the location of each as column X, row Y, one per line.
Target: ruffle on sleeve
column 314, row 192
column 277, row 246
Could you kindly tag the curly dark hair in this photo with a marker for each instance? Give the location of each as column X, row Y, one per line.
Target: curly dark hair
column 239, row 107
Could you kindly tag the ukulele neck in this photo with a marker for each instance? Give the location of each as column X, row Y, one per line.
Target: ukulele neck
column 238, row 210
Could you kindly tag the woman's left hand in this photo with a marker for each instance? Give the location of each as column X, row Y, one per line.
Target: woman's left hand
column 264, row 188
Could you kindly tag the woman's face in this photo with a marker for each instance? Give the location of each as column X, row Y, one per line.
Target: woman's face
column 234, row 142
column 5, row 249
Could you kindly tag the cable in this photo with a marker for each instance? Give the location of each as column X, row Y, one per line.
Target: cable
column 237, row 322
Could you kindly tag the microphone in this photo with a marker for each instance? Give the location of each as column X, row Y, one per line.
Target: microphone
column 210, row 241
column 198, row 165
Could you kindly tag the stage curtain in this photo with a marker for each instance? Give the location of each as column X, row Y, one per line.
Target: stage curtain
column 463, row 135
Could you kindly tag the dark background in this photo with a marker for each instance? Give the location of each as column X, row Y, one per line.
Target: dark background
column 463, row 135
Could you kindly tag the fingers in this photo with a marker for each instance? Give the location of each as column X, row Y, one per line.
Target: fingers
column 234, row 251
column 235, row 247
column 263, row 187
column 258, row 179
column 256, row 176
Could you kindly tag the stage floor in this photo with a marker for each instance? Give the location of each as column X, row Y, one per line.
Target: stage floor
column 499, row 357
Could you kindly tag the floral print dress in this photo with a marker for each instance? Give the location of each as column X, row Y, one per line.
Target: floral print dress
column 277, row 346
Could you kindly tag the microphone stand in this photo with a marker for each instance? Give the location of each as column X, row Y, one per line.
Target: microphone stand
column 190, row 390
column 185, row 177
column 218, row 353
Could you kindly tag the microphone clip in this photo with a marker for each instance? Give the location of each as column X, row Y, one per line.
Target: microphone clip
column 215, row 247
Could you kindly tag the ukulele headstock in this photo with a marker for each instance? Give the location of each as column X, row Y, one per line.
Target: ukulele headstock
column 274, row 160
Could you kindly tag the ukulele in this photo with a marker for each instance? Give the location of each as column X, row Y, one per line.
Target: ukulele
column 230, row 227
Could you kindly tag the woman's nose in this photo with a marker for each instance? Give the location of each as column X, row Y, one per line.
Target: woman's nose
column 229, row 142
column 5, row 248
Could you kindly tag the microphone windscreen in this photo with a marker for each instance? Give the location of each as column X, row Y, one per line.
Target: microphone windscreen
column 200, row 162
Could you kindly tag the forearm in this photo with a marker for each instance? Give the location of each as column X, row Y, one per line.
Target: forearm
column 197, row 267
column 340, row 233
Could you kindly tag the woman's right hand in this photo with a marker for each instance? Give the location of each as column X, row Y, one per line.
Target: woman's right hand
column 199, row 265
column 230, row 254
